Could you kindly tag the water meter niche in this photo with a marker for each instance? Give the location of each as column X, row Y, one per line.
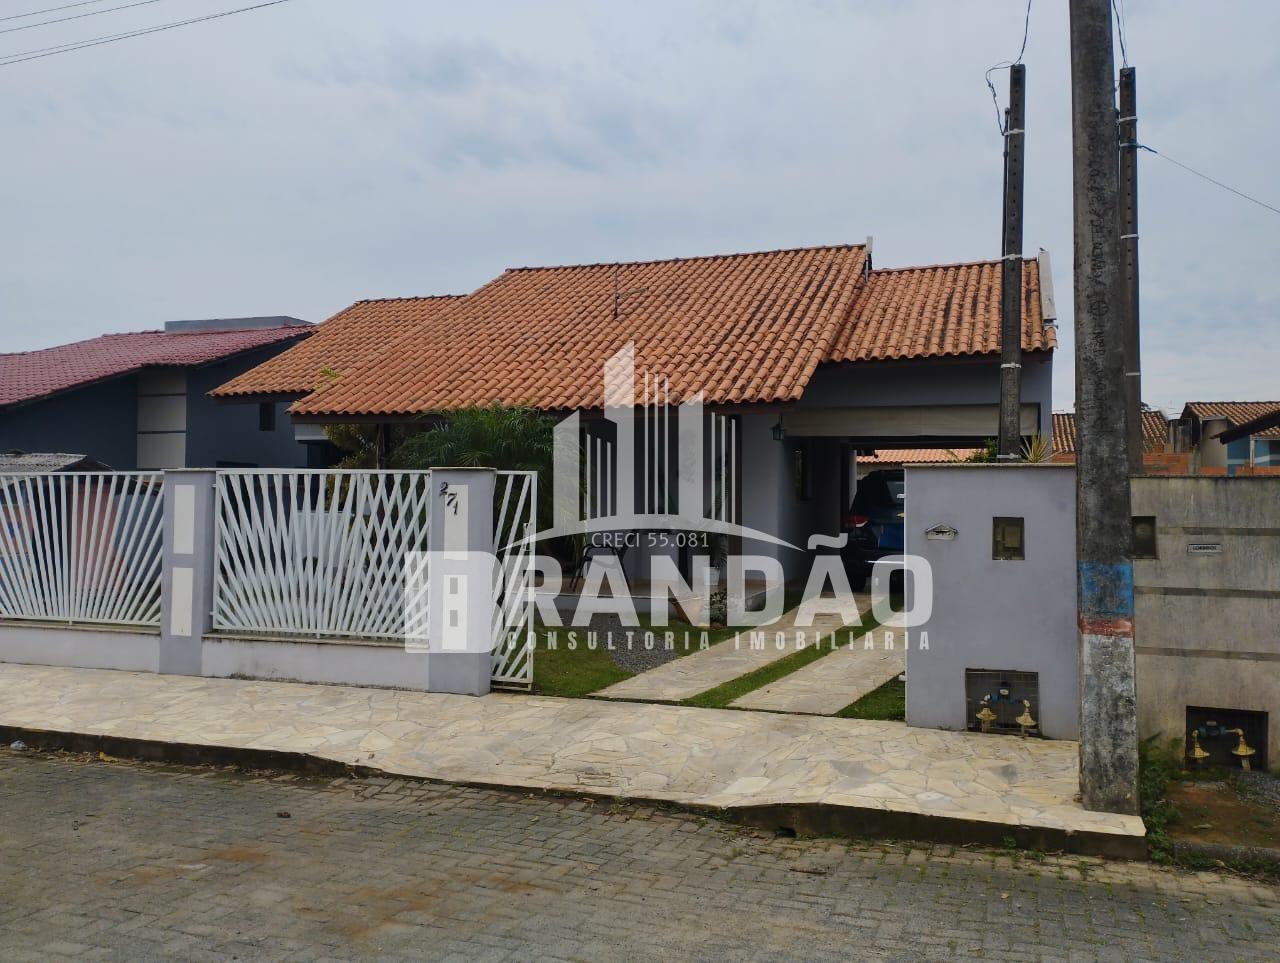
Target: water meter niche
column 1002, row 701
column 1226, row 738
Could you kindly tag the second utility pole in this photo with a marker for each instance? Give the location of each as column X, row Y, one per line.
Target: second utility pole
column 1128, row 127
column 1015, row 138
column 1104, row 576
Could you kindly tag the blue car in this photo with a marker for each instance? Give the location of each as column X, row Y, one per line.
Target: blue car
column 874, row 524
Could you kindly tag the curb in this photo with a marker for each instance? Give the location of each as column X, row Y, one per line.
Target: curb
column 809, row 819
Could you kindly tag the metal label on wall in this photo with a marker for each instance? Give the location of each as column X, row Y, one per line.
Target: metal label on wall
column 944, row 533
column 1204, row 548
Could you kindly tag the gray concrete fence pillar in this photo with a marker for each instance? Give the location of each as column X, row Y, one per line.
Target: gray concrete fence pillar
column 186, row 599
column 460, row 581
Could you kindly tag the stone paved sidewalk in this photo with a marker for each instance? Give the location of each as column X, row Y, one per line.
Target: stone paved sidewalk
column 133, row 862
column 698, row 757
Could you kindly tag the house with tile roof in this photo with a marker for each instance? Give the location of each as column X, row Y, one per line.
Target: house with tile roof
column 1207, row 428
column 811, row 354
column 140, row 400
column 1155, row 434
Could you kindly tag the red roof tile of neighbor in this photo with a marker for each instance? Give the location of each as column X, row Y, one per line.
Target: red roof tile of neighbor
column 1155, row 432
column 740, row 328
column 352, row 336
column 941, row 311
column 1237, row 412
column 916, row 456
column 29, row 375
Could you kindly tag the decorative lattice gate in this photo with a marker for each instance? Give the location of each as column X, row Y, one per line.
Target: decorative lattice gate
column 321, row 554
column 515, row 506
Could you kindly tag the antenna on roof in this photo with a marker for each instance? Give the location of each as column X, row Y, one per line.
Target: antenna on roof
column 619, row 295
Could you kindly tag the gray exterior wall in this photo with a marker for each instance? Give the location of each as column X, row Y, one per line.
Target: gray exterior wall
column 988, row 614
column 770, row 501
column 97, row 420
column 101, row 421
column 227, row 432
column 886, row 384
column 1208, row 625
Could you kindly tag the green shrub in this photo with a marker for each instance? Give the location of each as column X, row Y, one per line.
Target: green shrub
column 1157, row 767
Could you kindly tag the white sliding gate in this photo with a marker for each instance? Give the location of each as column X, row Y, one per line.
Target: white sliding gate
column 81, row 547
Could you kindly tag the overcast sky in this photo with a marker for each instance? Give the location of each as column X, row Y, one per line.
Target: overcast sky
column 294, row 159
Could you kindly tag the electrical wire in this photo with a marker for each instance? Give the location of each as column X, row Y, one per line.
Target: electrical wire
column 1006, row 64
column 17, row 58
column 1211, row 180
column 78, row 16
column 65, row 6
column 1118, row 7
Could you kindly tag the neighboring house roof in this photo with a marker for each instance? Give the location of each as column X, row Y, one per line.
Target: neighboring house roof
column 1236, row 412
column 1264, row 426
column 947, row 310
column 740, row 329
column 352, row 336
column 24, row 461
column 1155, row 432
column 30, row 375
column 916, row 456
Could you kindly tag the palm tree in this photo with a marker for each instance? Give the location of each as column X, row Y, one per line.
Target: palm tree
column 508, row 438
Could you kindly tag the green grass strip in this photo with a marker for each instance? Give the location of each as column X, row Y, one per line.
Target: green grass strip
column 725, row 693
column 887, row 703
column 572, row 672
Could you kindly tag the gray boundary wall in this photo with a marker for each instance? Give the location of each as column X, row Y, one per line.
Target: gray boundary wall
column 989, row 614
column 1208, row 606
column 186, row 645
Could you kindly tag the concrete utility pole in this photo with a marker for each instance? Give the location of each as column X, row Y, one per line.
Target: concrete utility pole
column 1108, row 695
column 1015, row 137
column 1128, row 127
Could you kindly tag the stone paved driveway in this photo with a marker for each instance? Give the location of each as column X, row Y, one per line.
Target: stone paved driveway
column 126, row 861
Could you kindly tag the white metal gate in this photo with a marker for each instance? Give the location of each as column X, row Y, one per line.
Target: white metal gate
column 515, row 504
column 321, row 554
column 81, row 546
column 316, row 553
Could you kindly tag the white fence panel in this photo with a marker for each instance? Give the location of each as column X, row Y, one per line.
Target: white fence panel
column 317, row 553
column 82, row 546
column 515, row 523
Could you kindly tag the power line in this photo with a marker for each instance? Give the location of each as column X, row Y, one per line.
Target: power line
column 1118, row 7
column 17, row 58
column 36, row 13
column 1211, row 180
column 78, row 16
column 1004, row 65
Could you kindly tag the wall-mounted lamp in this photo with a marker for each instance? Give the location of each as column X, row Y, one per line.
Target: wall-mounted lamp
column 779, row 431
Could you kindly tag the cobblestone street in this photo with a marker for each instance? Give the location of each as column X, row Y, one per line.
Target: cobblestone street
column 120, row 860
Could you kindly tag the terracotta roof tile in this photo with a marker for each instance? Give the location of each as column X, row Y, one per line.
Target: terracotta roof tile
column 29, row 375
column 940, row 311
column 739, row 328
column 1155, row 432
column 916, row 456
column 352, row 336
column 1236, row 412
